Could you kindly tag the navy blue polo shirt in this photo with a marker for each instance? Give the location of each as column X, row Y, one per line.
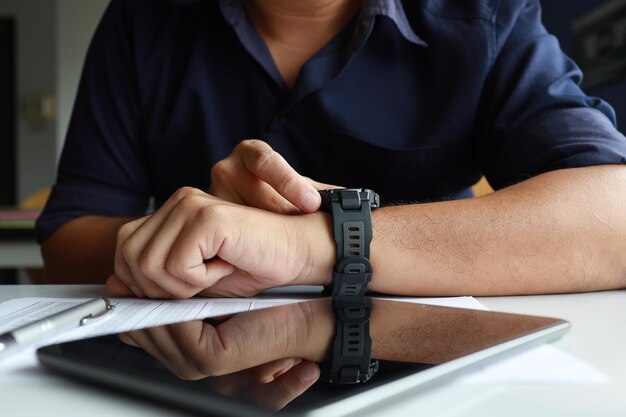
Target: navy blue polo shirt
column 413, row 98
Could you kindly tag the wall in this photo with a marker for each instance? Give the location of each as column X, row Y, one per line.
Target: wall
column 36, row 74
column 558, row 17
column 52, row 39
column 76, row 22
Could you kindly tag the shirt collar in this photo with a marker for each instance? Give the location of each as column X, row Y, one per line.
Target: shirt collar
column 393, row 9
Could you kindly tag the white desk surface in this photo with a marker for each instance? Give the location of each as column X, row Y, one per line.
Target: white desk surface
column 598, row 336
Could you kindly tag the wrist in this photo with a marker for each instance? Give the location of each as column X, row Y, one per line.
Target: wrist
column 315, row 230
column 318, row 341
column 375, row 249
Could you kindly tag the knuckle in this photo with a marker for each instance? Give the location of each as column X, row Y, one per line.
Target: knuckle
column 127, row 250
column 220, row 170
column 262, row 160
column 212, row 212
column 192, row 202
column 120, row 270
column 124, row 231
column 173, row 267
column 290, row 181
column 146, row 265
column 183, row 288
column 258, row 154
column 253, row 144
column 215, row 357
column 185, row 192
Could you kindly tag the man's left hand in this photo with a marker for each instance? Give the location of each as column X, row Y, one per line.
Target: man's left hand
column 257, row 176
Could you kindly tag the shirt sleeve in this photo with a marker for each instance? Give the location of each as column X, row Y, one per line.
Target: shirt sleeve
column 103, row 168
column 537, row 117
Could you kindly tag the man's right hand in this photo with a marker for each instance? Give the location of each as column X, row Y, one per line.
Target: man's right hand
column 257, row 176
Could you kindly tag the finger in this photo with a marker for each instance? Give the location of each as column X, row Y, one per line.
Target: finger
column 237, row 383
column 191, row 343
column 140, row 339
column 144, row 286
column 232, row 181
column 321, row 185
column 132, row 258
column 159, row 344
column 258, row 194
column 169, row 345
column 236, row 284
column 150, row 269
column 269, row 166
column 127, row 340
column 219, row 190
column 120, row 266
column 269, row 372
column 186, row 259
column 117, row 288
column 293, row 383
column 251, row 339
column 138, row 267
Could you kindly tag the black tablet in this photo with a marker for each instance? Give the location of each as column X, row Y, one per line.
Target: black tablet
column 254, row 363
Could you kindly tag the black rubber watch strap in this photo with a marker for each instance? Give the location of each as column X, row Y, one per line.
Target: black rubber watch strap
column 351, row 211
column 352, row 348
column 351, row 277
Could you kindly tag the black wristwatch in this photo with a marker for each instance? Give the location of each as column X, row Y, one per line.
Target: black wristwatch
column 351, row 362
column 351, row 211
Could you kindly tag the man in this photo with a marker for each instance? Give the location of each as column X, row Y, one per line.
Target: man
column 414, row 99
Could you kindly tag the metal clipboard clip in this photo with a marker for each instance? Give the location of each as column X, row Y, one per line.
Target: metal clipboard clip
column 91, row 318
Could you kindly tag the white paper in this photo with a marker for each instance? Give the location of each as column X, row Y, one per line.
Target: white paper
column 129, row 313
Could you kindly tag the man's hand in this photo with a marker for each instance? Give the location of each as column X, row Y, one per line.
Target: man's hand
column 272, row 385
column 267, row 355
column 257, row 176
column 197, row 243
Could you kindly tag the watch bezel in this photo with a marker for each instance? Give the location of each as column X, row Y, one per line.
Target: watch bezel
column 333, row 195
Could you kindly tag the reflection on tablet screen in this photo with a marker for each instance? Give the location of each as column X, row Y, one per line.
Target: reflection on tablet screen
column 260, row 361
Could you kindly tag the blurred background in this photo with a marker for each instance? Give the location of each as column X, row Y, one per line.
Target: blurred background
column 42, row 48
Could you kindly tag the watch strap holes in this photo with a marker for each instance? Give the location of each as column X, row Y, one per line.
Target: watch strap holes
column 354, row 239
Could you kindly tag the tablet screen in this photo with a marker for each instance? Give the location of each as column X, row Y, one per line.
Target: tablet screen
column 257, row 362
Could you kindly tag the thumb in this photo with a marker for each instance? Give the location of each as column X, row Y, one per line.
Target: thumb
column 322, row 185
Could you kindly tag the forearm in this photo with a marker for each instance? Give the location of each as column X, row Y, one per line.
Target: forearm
column 82, row 250
column 563, row 231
